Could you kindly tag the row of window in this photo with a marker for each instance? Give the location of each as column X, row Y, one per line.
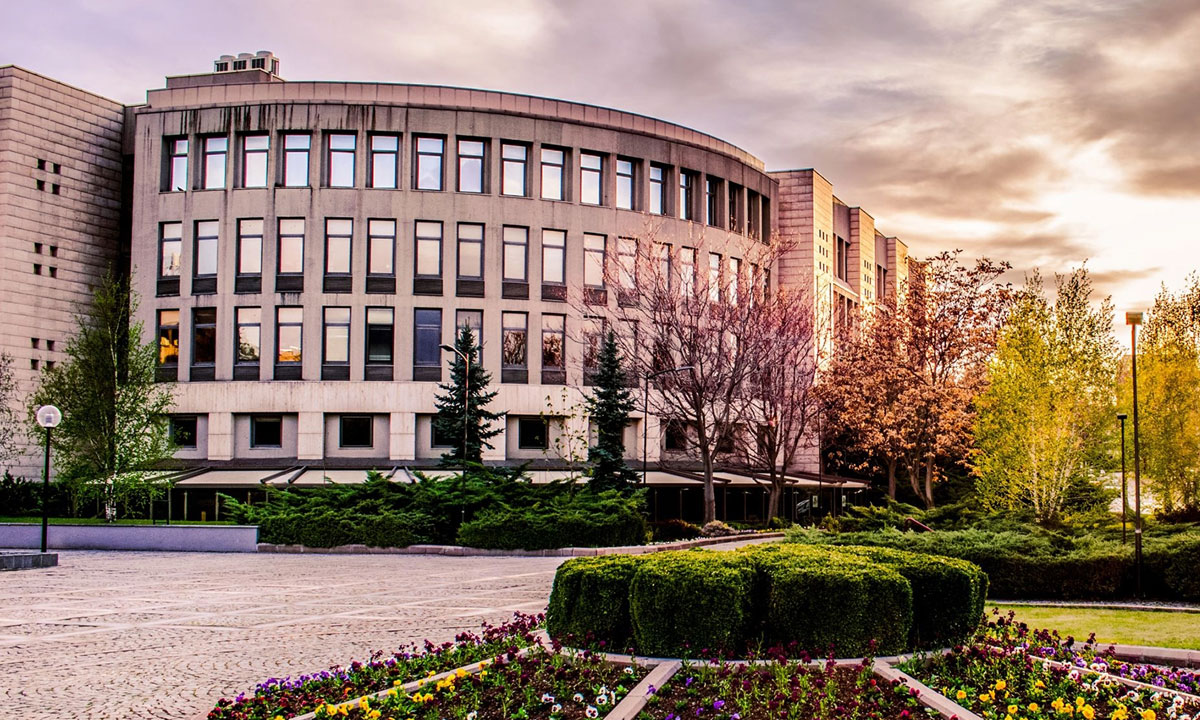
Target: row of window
column 379, row 334
column 636, row 185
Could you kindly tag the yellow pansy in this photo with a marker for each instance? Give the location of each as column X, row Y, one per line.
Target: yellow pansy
column 1088, row 712
column 1148, row 715
column 1000, row 684
column 1032, row 707
column 961, row 695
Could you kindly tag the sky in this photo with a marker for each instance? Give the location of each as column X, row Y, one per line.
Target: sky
column 1045, row 133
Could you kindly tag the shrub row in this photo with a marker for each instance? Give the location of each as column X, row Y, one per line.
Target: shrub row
column 615, row 524
column 679, row 603
column 331, row 528
column 1026, row 566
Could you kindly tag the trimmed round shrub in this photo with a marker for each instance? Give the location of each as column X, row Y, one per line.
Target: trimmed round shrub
column 591, row 595
column 683, row 602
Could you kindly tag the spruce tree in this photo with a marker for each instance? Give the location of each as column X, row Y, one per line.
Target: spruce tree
column 453, row 414
column 609, row 407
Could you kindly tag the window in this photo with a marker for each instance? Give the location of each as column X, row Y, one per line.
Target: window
column 516, row 253
column 291, row 246
column 712, row 201
column 356, row 431
column 554, row 256
column 593, row 340
column 254, row 160
column 514, row 353
column 470, row 166
column 380, row 336
column 295, row 160
column 687, row 270
column 676, row 439
column 177, row 164
column 182, row 431
column 215, row 150
column 170, row 249
column 753, row 214
column 428, row 172
column 687, row 191
column 662, row 253
column 842, row 260
column 381, row 247
column 168, row 337
column 427, row 338
column 470, row 251
column 735, row 208
column 336, row 336
column 250, row 236
column 385, row 161
column 532, row 433
column 714, row 277
column 553, row 162
column 248, row 329
column 625, row 184
column 429, row 248
column 472, row 319
column 593, row 260
column 658, row 190
column 880, row 281
column 207, row 239
column 204, row 336
column 337, row 246
column 554, row 333
column 441, row 440
column 289, row 326
column 591, row 176
column 627, row 250
column 735, row 274
column 266, row 431
column 341, row 159
column 512, row 169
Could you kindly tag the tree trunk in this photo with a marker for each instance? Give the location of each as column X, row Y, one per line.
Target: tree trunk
column 928, row 494
column 892, row 478
column 710, row 495
column 110, row 507
column 774, row 498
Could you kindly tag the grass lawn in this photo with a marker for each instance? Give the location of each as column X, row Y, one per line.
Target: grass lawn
column 1132, row 627
column 100, row 521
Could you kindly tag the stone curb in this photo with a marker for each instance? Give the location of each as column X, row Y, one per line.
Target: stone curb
column 928, row 697
column 635, row 701
column 1129, row 682
column 460, row 551
column 27, row 560
column 1089, row 605
column 1178, row 657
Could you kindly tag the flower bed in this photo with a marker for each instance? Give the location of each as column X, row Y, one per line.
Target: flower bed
column 541, row 684
column 780, row 689
column 289, row 697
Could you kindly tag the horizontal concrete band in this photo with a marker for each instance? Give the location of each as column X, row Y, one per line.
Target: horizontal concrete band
column 181, row 538
column 553, row 552
column 27, row 560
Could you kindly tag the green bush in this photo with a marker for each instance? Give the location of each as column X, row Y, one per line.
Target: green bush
column 585, row 519
column 330, row 529
column 1170, row 568
column 673, row 530
column 591, row 595
column 687, row 601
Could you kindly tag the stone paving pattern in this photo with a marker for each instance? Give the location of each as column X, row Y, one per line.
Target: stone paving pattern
column 164, row 635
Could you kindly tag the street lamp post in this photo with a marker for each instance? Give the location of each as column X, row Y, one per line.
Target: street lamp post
column 1124, row 481
column 466, row 400
column 48, row 417
column 1133, row 319
column 646, row 411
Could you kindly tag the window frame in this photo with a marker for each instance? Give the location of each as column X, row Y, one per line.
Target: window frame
column 255, row 421
column 210, row 326
column 335, row 157
column 589, row 259
column 163, row 331
column 506, row 243
column 262, row 155
column 460, row 240
column 522, row 423
column 197, row 240
column 509, row 168
column 630, row 179
column 560, row 167
column 238, row 325
column 177, row 176
column 436, row 358
column 462, row 157
column 687, row 195
column 372, row 237
column 327, row 325
column 209, row 155
column 505, row 328
column 561, row 251
column 391, row 332
column 420, row 240
column 370, row 420
column 588, row 174
column 349, row 238
column 291, row 158
column 560, row 331
column 279, row 327
column 658, row 189
column 280, row 236
column 242, row 237
column 173, row 433
column 374, row 155
column 422, row 156
column 163, row 241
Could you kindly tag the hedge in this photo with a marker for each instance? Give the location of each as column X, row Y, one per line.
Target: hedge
column 680, row 603
column 553, row 527
column 331, row 528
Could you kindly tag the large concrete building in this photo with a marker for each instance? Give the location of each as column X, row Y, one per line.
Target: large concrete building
column 302, row 249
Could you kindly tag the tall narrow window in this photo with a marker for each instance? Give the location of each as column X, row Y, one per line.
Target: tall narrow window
column 554, row 356
column 427, row 338
column 215, row 151
column 430, row 153
column 472, row 319
column 380, row 336
column 512, row 170
column 336, row 336
column 337, row 246
column 470, row 166
column 341, row 159
column 170, row 249
column 553, row 162
column 753, row 214
column 470, row 251
column 515, row 342
column 429, row 248
column 295, row 159
column 627, row 250
column 385, row 161
column 712, row 201
column 204, row 339
column 593, row 260
column 250, row 236
column 177, row 164
column 714, row 277
column 248, row 332
column 625, row 184
column 687, row 191
column 381, row 247
column 291, row 246
column 593, row 340
column 207, row 239
column 554, row 256
column 168, row 337
column 735, row 275
column 289, row 326
column 516, row 254
column 687, row 270
column 591, row 177
column 735, row 209
column 658, row 190
column 254, row 160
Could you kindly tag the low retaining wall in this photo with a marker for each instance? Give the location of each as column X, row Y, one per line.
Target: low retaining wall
column 459, row 550
column 27, row 560
column 178, row 538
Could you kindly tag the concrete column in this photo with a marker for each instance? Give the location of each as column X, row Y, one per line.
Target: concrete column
column 310, row 436
column 220, row 436
column 499, row 443
column 402, row 436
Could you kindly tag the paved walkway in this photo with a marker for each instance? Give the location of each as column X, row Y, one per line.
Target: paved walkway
column 163, row 635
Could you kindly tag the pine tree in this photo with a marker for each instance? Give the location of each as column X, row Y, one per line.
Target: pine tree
column 609, row 407
column 453, row 413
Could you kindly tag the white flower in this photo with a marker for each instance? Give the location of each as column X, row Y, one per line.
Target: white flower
column 555, row 709
column 547, row 698
column 471, row 715
column 591, row 712
column 577, row 697
column 601, row 699
column 628, row 670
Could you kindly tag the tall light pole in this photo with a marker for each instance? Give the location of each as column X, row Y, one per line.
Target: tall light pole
column 646, row 411
column 1124, row 481
column 466, row 400
column 1133, row 319
column 48, row 417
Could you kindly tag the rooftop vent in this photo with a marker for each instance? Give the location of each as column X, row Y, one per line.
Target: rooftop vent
column 264, row 60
